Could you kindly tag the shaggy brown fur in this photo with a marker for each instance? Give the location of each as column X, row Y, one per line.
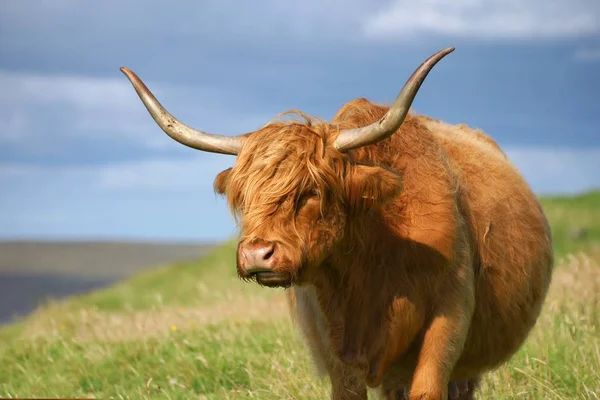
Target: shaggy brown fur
column 422, row 259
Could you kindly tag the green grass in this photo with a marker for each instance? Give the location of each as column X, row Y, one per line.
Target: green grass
column 575, row 222
column 193, row 330
column 219, row 361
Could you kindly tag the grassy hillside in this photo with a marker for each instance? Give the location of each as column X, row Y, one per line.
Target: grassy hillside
column 575, row 221
column 194, row 330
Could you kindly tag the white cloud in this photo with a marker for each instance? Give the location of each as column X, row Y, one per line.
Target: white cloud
column 77, row 101
column 85, row 92
column 486, row 19
column 558, row 170
column 310, row 20
column 40, row 111
column 153, row 175
column 164, row 174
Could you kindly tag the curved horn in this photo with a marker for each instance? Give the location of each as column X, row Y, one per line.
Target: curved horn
column 177, row 130
column 391, row 121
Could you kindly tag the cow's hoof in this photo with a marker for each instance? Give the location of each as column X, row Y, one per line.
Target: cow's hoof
column 458, row 390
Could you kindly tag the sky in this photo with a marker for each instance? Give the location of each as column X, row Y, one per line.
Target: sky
column 80, row 158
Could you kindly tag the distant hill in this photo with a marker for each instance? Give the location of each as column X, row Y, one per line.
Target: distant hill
column 33, row 271
column 94, row 258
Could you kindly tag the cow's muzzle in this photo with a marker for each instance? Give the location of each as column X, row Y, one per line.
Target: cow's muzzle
column 257, row 260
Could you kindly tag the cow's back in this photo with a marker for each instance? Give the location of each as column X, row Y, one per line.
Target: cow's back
column 511, row 237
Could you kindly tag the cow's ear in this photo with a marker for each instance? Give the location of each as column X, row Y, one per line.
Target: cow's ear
column 369, row 186
column 220, row 184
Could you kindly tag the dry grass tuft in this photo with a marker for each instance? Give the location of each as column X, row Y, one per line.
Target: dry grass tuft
column 89, row 325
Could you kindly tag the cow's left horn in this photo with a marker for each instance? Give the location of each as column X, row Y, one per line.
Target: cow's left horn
column 179, row 131
column 391, row 121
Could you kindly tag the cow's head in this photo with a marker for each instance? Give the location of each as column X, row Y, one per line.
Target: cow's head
column 293, row 185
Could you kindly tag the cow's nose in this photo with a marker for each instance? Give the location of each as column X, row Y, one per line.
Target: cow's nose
column 258, row 256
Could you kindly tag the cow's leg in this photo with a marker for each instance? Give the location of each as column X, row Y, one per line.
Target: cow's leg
column 462, row 390
column 444, row 338
column 473, row 384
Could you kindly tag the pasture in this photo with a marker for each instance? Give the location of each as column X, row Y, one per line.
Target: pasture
column 193, row 330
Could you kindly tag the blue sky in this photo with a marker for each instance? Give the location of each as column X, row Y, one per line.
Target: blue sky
column 81, row 158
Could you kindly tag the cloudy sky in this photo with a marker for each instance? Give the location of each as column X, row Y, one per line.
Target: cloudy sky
column 81, row 158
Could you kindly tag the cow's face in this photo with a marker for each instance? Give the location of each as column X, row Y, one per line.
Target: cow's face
column 293, row 193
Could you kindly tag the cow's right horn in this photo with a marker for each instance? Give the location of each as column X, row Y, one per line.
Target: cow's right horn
column 179, row 131
column 391, row 121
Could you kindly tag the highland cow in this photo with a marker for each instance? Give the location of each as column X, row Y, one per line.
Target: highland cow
column 415, row 255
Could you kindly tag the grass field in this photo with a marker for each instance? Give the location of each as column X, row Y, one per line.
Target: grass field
column 192, row 330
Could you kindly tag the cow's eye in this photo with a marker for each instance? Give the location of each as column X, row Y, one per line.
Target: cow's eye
column 307, row 198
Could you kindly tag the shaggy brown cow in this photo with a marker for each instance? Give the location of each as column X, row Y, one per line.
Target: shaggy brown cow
column 418, row 260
